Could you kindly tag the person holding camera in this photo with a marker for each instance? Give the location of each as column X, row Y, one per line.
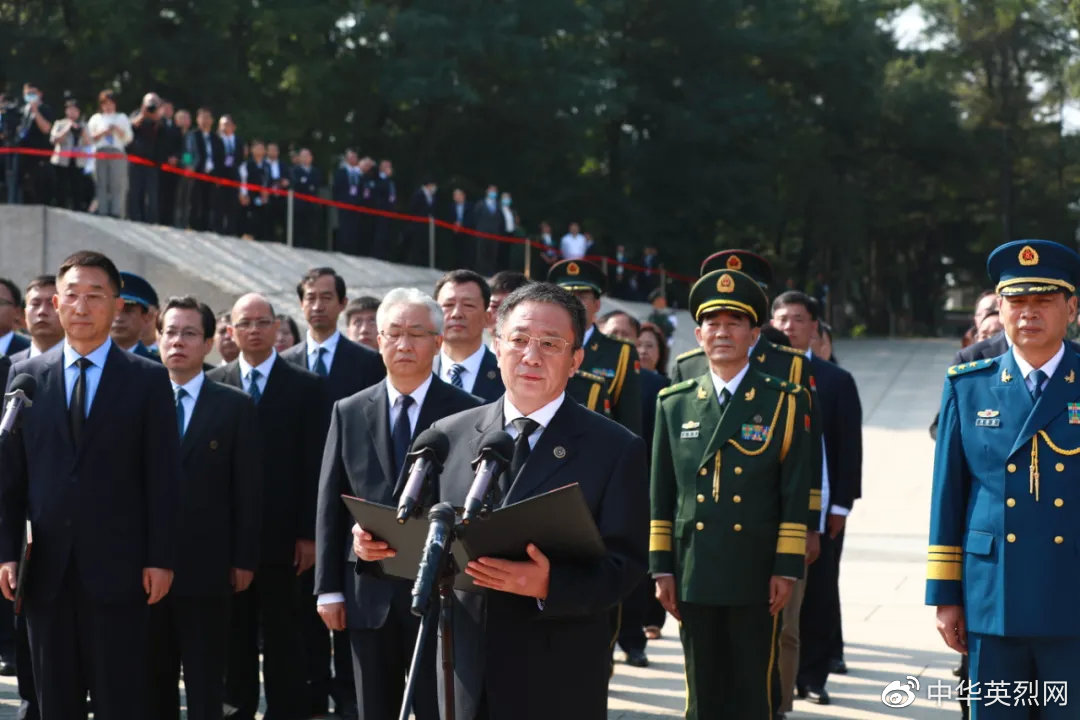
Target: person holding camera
column 69, row 136
column 148, row 144
column 110, row 132
column 32, row 174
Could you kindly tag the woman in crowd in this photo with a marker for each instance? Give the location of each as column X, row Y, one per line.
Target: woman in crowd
column 288, row 333
column 652, row 348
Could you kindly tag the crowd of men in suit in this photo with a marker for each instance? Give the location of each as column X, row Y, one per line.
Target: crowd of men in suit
column 185, row 517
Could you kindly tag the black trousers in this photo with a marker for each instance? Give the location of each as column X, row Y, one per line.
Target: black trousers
column 204, row 202
column 838, row 629
column 634, row 612
column 227, row 210
column 324, row 650
column 70, row 183
column 167, row 184
column 381, row 660
column 819, row 616
column 28, row 708
column 80, row 644
column 731, row 661
column 189, row 632
column 269, row 605
column 143, row 193
column 348, row 233
column 307, row 225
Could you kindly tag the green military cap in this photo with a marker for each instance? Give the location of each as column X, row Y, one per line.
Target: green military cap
column 729, row 290
column 745, row 261
column 575, row 275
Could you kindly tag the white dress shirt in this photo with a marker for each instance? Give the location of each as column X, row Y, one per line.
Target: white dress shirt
column 192, row 387
column 1049, row 368
column 731, row 385
column 330, row 345
column 264, row 372
column 574, row 246
column 826, row 495
column 93, row 373
column 470, row 364
column 542, row 416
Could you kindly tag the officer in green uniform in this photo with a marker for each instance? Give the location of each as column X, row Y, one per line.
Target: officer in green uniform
column 731, row 475
column 591, row 391
column 615, row 360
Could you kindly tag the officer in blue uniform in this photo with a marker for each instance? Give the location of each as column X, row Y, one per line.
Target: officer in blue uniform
column 1004, row 556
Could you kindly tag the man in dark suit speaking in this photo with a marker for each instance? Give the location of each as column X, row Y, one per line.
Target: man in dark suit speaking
column 536, row 644
column 95, row 469
column 365, row 457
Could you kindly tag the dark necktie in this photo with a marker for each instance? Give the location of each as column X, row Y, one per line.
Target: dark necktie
column 253, row 385
column 181, row 393
column 455, row 375
column 77, row 407
column 724, row 397
column 1038, row 377
column 401, row 435
column 320, row 363
column 525, row 428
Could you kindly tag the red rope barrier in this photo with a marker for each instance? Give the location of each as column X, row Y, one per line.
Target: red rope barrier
column 315, row 200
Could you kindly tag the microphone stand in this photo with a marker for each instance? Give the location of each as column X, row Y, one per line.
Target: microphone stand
column 447, row 572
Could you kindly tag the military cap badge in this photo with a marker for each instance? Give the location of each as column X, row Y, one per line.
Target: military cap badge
column 575, row 269
column 1028, row 256
column 725, row 284
column 734, row 263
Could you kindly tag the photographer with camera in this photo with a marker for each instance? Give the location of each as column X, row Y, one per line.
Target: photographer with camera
column 149, row 144
column 31, row 173
column 69, row 135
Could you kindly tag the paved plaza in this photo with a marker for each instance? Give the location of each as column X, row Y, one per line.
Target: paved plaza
column 889, row 633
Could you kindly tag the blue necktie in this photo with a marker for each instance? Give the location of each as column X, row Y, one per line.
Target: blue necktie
column 455, row 375
column 253, row 386
column 320, row 363
column 181, row 393
column 1038, row 377
column 401, row 435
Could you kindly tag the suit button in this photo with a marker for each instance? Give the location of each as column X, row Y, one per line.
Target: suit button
column 701, row 498
column 700, row 525
column 1059, row 539
column 1060, row 467
column 737, row 499
column 738, row 470
column 1011, row 467
column 737, row 528
column 703, row 472
column 1011, row 502
column 1058, row 502
column 1011, row 537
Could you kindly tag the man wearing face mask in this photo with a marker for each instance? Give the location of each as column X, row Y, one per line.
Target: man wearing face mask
column 149, row 144
column 488, row 218
column 33, row 176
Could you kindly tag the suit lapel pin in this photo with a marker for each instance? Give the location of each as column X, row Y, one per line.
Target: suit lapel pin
column 757, row 418
column 213, row 444
column 491, row 375
column 559, row 452
column 1071, row 377
column 1005, row 376
column 750, row 395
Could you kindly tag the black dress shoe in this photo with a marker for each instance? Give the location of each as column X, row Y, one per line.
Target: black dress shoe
column 637, row 658
column 838, row 666
column 800, row 691
column 817, row 695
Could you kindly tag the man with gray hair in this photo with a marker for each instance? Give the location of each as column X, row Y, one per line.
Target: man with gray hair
column 386, row 416
column 292, row 425
column 535, row 646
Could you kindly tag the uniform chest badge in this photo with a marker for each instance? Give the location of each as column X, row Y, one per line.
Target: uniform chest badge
column 1074, row 413
column 604, row 372
column 756, row 433
column 690, row 430
column 988, row 418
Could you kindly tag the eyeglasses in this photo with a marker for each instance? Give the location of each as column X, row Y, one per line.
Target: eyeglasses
column 93, row 299
column 519, row 342
column 413, row 335
column 249, row 325
column 187, row 334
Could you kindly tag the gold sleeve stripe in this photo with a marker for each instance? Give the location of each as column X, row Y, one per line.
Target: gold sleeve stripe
column 594, row 396
column 791, row 546
column 946, row 549
column 661, row 523
column 615, row 391
column 792, row 533
column 814, row 491
column 789, row 428
column 815, row 502
column 793, row 526
column 944, row 571
column 660, row 543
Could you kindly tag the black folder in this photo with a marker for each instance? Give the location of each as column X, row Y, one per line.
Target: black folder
column 558, row 522
column 22, row 572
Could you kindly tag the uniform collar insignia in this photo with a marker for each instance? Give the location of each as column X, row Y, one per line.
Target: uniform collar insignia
column 594, row 347
column 702, row 393
column 988, row 413
column 761, row 358
column 1005, row 376
column 1071, row 377
column 750, row 395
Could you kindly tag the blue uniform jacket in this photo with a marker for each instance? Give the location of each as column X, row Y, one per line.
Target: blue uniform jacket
column 1005, row 515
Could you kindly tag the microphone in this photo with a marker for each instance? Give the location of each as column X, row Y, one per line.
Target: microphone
column 441, row 517
column 496, row 449
column 21, row 395
column 429, row 451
